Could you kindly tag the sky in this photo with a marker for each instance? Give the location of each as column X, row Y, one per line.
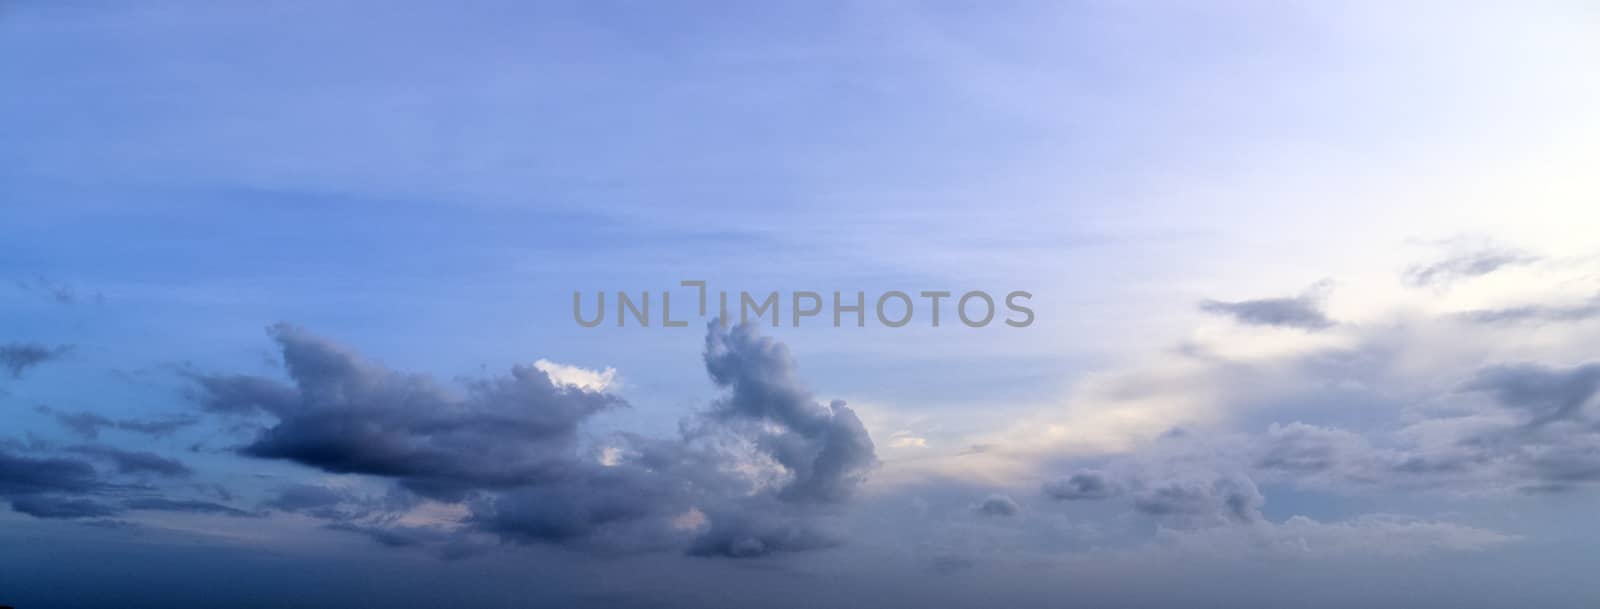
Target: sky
column 287, row 304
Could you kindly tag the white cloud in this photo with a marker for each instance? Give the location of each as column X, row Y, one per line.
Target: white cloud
column 582, row 378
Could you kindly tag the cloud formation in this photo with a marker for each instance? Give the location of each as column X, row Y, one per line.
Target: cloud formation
column 747, row 477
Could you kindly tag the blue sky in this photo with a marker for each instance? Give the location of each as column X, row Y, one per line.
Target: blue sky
column 1315, row 292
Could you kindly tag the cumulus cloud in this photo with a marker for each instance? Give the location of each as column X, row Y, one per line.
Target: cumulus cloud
column 17, row 358
column 753, row 469
column 825, row 448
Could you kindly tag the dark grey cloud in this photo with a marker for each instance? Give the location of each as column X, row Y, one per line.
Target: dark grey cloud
column 1084, row 485
column 68, row 488
column 1465, row 266
column 346, row 415
column 509, row 448
column 998, row 505
column 1301, row 312
column 89, row 424
column 17, row 358
column 20, row 475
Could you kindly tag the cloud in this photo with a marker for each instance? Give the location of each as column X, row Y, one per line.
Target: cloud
column 998, row 505
column 753, row 534
column 1199, row 503
column 1466, row 265
column 752, row 466
column 158, row 504
column 1545, row 394
column 45, row 506
column 826, row 449
column 66, row 488
column 89, row 424
column 1300, row 449
column 1084, row 485
column 135, row 462
column 1537, row 314
column 1303, row 312
column 343, row 414
column 19, row 357
column 907, row 439
column 581, row 378
column 21, row 475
